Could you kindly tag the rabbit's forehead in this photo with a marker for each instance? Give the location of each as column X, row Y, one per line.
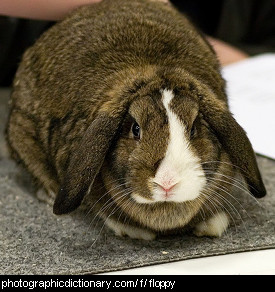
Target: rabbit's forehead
column 177, row 118
column 157, row 106
column 184, row 107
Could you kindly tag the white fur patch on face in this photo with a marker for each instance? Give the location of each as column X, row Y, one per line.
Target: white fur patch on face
column 179, row 177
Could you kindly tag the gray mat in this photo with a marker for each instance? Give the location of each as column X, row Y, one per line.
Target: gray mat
column 34, row 241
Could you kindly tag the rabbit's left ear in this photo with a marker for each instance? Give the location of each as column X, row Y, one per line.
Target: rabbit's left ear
column 235, row 142
column 86, row 162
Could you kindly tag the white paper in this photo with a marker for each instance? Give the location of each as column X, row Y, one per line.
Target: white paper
column 251, row 94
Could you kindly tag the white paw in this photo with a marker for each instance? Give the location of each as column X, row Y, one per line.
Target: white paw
column 44, row 196
column 214, row 226
column 131, row 231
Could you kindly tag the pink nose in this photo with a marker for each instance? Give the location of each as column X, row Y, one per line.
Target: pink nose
column 167, row 188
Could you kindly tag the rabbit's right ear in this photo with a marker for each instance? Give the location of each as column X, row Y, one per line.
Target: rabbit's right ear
column 235, row 142
column 86, row 162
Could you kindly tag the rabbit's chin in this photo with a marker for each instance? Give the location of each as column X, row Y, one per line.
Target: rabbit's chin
column 158, row 216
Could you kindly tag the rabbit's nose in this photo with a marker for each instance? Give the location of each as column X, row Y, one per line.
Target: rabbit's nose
column 167, row 187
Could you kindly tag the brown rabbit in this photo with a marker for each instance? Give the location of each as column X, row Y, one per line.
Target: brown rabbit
column 121, row 108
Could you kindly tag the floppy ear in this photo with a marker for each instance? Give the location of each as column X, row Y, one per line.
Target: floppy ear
column 235, row 142
column 86, row 162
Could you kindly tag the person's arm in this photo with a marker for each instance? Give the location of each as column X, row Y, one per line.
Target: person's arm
column 40, row 9
column 226, row 53
column 43, row 9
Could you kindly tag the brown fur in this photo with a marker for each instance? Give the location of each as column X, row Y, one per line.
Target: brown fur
column 81, row 86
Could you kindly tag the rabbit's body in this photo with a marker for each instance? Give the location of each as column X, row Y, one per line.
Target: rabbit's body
column 84, row 84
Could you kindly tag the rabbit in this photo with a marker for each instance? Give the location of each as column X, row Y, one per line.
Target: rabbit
column 121, row 109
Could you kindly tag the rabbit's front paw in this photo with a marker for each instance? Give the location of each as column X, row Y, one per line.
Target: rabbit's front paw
column 44, row 196
column 214, row 226
column 122, row 229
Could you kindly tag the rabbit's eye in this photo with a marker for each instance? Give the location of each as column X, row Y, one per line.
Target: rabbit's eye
column 136, row 130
